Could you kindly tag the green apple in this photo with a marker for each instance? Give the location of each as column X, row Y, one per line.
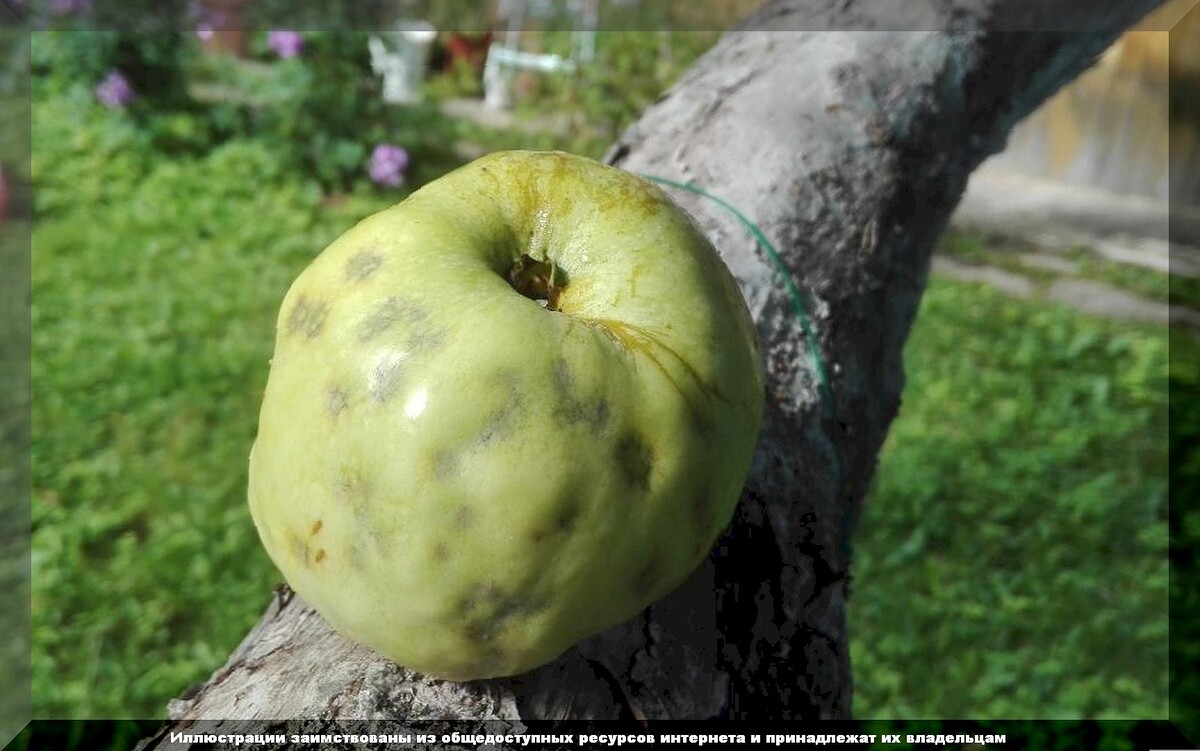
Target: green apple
column 505, row 414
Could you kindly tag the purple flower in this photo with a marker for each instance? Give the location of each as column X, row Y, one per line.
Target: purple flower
column 114, row 90
column 387, row 165
column 204, row 32
column 68, row 7
column 287, row 44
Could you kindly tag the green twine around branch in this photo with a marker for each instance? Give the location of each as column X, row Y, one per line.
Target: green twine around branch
column 794, row 294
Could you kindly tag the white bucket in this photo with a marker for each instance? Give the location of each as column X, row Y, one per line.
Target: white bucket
column 401, row 56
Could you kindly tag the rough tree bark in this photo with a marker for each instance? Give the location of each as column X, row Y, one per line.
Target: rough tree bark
column 850, row 150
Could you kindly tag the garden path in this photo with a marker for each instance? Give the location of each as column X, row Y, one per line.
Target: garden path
column 1054, row 219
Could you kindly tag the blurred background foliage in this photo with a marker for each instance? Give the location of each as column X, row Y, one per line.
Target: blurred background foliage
column 14, row 387
column 1013, row 558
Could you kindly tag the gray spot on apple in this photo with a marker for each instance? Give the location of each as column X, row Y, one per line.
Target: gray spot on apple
column 445, row 465
column 336, row 400
column 356, row 557
column 464, row 517
column 635, row 459
column 562, row 522
column 349, row 488
column 426, row 339
column 702, row 422
column 298, row 547
column 362, row 264
column 439, row 552
column 384, row 377
column 387, row 314
column 487, row 610
column 564, row 380
column 307, row 317
column 593, row 414
column 568, row 515
column 499, row 424
column 570, row 409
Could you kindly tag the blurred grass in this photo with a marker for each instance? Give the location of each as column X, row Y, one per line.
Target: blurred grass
column 14, row 390
column 14, row 477
column 1012, row 562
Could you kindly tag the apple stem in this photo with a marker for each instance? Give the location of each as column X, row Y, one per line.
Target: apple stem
column 537, row 280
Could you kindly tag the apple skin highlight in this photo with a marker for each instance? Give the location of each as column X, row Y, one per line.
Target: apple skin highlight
column 505, row 414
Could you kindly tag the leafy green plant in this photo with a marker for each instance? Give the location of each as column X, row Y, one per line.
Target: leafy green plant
column 461, row 80
column 84, row 153
column 156, row 65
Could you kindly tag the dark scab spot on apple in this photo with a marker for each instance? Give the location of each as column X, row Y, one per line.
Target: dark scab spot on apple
column 479, row 630
column 336, row 401
column 379, row 538
column 599, row 414
column 636, row 460
column 307, row 317
column 444, row 464
column 426, row 339
column 502, row 421
column 389, row 313
column 356, row 557
column 464, row 517
column 564, row 380
column 298, row 547
column 349, row 484
column 562, row 522
column 568, row 515
column 702, row 423
column 497, row 426
column 316, row 527
column 320, row 556
column 487, row 610
column 349, row 488
column 362, row 264
column 384, row 379
column 593, row 414
column 440, row 552
column 570, row 409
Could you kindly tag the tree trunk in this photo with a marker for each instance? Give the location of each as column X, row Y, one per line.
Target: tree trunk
column 850, row 151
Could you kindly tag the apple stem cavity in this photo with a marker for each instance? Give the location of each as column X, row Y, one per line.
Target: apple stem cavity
column 541, row 281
